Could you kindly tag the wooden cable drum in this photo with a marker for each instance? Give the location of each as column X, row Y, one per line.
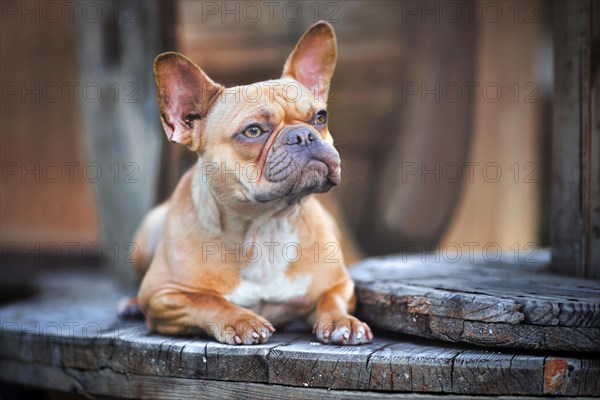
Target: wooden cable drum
column 486, row 304
column 67, row 337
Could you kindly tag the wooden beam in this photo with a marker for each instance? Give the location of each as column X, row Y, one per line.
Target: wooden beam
column 576, row 140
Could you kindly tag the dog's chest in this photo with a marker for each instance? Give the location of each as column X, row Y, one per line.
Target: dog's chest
column 268, row 254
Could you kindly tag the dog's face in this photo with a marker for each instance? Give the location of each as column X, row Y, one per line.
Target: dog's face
column 262, row 144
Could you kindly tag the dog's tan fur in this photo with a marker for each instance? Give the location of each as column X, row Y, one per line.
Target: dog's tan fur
column 188, row 289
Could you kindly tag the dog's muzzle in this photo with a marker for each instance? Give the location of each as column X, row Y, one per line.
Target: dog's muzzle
column 299, row 149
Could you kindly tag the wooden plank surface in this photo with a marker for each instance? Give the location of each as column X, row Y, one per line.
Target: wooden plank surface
column 109, row 383
column 311, row 364
column 491, row 305
column 67, row 337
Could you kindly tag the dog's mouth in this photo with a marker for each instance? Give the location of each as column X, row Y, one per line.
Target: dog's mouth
column 334, row 175
column 316, row 177
column 293, row 177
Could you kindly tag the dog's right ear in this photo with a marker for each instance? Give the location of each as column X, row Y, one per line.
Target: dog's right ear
column 185, row 94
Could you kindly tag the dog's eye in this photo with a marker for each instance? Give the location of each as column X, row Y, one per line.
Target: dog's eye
column 190, row 118
column 253, row 131
column 321, row 117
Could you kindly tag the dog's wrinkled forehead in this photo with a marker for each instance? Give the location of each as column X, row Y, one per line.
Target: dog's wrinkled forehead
column 276, row 101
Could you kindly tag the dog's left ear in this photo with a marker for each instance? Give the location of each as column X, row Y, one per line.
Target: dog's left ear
column 313, row 60
column 184, row 94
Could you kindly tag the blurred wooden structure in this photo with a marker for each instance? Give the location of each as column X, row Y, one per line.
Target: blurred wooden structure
column 382, row 127
column 46, row 199
column 501, row 199
column 576, row 140
column 123, row 133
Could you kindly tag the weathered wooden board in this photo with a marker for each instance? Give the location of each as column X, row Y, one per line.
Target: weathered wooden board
column 109, row 383
column 491, row 305
column 67, row 337
column 310, row 364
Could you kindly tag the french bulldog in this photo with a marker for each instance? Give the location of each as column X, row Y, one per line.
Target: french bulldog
column 243, row 244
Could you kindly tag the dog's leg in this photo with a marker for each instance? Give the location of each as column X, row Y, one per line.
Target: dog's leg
column 190, row 313
column 333, row 323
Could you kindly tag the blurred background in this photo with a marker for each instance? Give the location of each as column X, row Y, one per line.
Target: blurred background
column 441, row 111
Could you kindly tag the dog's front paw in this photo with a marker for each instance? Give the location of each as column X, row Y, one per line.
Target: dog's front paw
column 245, row 328
column 341, row 329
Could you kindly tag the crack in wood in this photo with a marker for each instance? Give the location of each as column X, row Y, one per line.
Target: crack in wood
column 452, row 360
column 77, row 385
column 334, row 373
column 370, row 371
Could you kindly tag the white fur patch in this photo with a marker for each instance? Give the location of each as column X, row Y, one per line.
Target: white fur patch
column 263, row 279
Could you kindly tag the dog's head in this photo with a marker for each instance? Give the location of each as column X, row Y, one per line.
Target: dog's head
column 261, row 143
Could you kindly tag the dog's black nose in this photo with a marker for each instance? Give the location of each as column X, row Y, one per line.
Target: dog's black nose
column 301, row 137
